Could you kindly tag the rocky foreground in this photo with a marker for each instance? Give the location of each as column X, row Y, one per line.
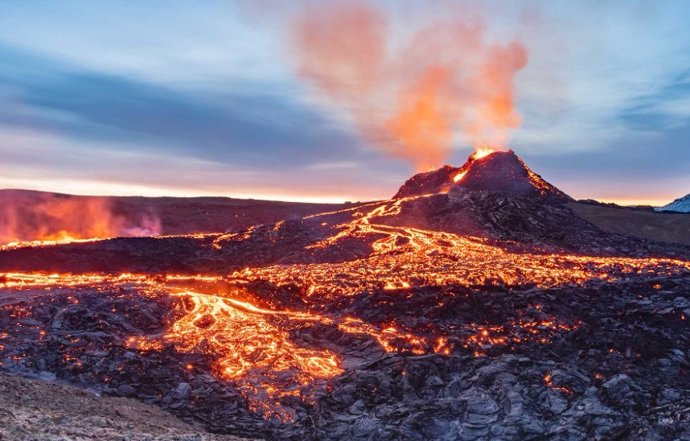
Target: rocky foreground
column 32, row 409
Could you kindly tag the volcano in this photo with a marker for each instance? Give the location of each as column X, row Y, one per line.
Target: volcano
column 476, row 304
column 496, row 172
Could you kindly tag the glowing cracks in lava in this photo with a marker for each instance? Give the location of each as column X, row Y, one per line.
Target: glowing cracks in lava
column 262, row 350
column 548, row 381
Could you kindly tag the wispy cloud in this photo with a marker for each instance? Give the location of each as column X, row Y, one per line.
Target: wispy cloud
column 666, row 108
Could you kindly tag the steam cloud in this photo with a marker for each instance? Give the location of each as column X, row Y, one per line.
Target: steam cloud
column 27, row 216
column 410, row 99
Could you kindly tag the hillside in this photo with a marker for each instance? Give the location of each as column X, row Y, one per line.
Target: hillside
column 642, row 223
column 681, row 205
column 46, row 411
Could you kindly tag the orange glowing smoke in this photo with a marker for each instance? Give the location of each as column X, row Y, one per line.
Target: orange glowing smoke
column 410, row 97
column 29, row 216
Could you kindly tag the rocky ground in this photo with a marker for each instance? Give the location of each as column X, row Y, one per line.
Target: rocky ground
column 640, row 222
column 522, row 224
column 33, row 409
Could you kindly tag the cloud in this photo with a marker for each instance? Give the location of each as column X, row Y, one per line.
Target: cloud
column 640, row 165
column 61, row 125
column 666, row 108
column 242, row 128
column 43, row 161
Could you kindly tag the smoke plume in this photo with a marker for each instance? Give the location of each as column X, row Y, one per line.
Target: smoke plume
column 410, row 97
column 29, row 216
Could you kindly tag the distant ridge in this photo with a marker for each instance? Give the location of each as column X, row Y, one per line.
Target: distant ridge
column 680, row 205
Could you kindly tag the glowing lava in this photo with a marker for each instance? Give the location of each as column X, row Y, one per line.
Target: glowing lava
column 482, row 152
column 48, row 241
column 253, row 347
column 459, row 176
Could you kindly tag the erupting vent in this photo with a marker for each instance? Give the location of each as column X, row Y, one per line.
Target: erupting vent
column 504, row 172
column 485, row 170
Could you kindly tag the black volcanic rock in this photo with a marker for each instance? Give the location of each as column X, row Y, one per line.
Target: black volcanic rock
column 506, row 173
column 435, row 181
column 621, row 371
column 499, row 172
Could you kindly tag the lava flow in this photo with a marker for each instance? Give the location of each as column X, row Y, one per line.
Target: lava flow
column 258, row 349
column 273, row 351
column 391, row 308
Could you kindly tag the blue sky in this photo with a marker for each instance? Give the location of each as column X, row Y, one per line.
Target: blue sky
column 201, row 97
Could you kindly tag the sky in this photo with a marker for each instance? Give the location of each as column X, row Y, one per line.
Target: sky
column 191, row 97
